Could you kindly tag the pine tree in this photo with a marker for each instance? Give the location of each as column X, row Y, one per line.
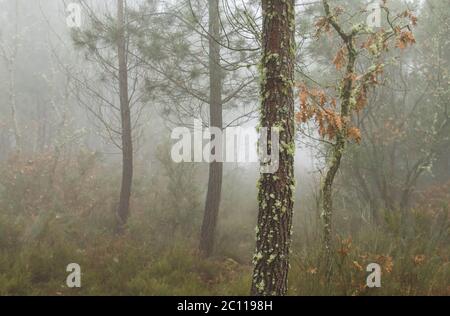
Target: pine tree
column 276, row 191
column 216, row 121
column 127, row 142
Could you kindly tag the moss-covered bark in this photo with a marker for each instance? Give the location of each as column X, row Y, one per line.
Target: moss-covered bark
column 276, row 190
column 337, row 149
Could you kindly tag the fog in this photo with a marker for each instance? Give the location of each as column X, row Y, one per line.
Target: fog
column 90, row 96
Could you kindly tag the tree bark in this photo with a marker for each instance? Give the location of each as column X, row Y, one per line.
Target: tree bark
column 11, row 60
column 127, row 142
column 327, row 204
column 337, row 149
column 213, row 195
column 276, row 191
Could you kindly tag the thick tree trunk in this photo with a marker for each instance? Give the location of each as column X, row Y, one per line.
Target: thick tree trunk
column 127, row 142
column 276, row 191
column 213, row 195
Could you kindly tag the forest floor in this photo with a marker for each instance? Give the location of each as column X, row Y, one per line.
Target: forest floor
column 42, row 231
column 134, row 265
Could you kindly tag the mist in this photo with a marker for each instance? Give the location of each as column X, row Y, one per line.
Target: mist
column 91, row 92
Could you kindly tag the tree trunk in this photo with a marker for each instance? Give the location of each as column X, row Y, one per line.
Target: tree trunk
column 127, row 142
column 276, row 191
column 12, row 82
column 337, row 152
column 213, row 195
column 13, row 108
column 327, row 204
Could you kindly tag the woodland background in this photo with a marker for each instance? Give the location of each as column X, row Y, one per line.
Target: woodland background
column 62, row 149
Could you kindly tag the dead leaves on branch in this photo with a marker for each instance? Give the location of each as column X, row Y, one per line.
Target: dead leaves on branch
column 340, row 58
column 409, row 15
column 322, row 26
column 405, row 39
column 317, row 106
column 333, row 121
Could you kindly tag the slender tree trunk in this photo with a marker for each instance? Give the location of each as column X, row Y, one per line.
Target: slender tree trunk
column 276, row 191
column 327, row 204
column 213, row 195
column 127, row 142
column 12, row 82
column 337, row 152
column 13, row 105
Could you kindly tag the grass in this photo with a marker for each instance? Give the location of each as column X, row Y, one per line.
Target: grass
column 42, row 231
